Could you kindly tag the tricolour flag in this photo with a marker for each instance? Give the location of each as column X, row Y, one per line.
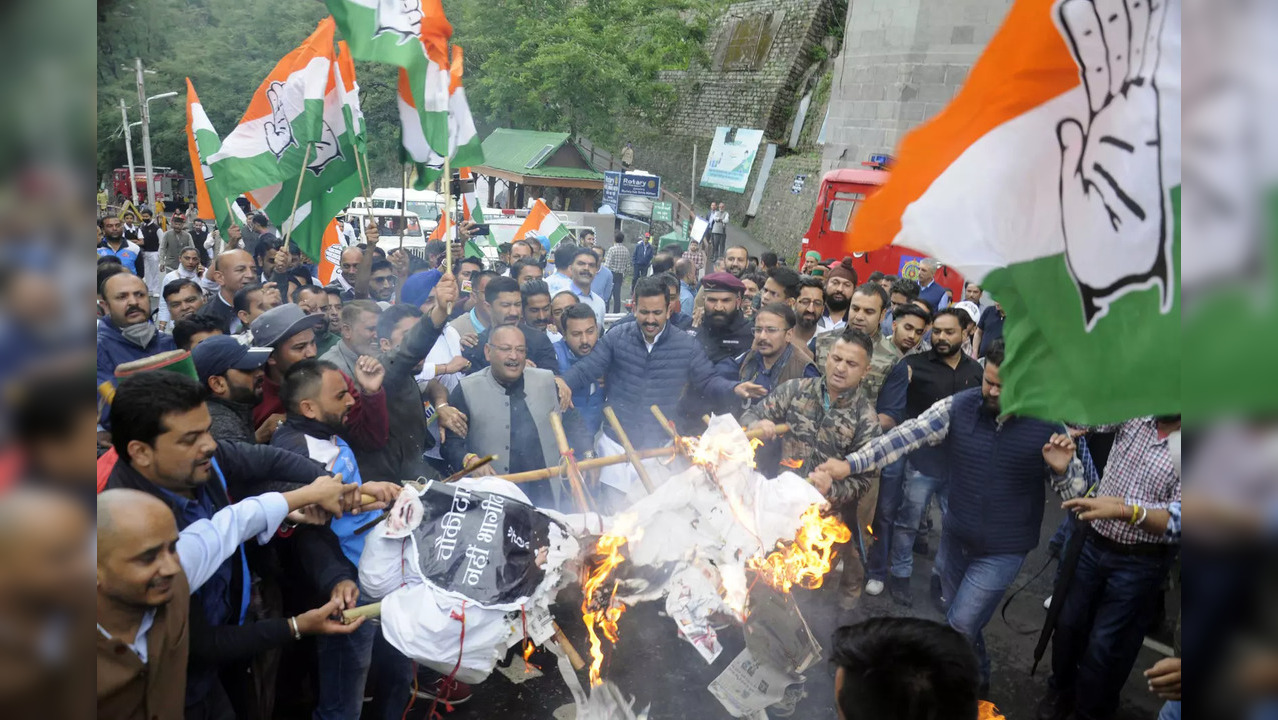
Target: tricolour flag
column 348, row 94
column 330, row 256
column 329, row 181
column 423, row 90
column 463, row 146
column 541, row 221
column 1053, row 181
column 284, row 116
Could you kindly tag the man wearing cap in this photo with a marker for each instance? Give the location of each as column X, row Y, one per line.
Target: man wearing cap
column 724, row 331
column 840, row 281
column 232, row 373
column 291, row 335
column 973, row 313
column 173, row 242
column 811, row 261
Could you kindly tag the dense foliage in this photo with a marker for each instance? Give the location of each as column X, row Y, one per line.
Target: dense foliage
column 585, row 66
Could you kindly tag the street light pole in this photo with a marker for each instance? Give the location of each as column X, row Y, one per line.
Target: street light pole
column 146, row 138
column 128, row 151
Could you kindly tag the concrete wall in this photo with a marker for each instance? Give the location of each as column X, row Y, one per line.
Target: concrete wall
column 902, row 61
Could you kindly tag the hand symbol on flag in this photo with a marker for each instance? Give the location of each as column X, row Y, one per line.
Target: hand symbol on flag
column 279, row 131
column 1112, row 198
column 401, row 17
column 326, row 150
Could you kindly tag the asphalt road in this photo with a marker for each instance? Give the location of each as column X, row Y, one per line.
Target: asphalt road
column 658, row 669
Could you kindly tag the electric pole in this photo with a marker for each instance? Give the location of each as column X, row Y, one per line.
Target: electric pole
column 146, row 139
column 128, row 151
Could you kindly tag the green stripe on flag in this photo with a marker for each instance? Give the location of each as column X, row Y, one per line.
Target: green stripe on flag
column 1129, row 365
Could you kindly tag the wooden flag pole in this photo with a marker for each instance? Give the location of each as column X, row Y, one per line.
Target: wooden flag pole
column 448, row 216
column 306, row 156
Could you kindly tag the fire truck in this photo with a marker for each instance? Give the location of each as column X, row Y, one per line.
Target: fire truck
column 842, row 192
column 169, row 184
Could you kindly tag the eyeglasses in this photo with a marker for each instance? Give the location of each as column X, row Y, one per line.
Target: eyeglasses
column 810, row 302
column 768, row 330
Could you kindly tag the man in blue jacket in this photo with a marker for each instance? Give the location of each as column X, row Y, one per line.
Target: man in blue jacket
column 127, row 332
column 580, row 335
column 644, row 363
column 997, row 465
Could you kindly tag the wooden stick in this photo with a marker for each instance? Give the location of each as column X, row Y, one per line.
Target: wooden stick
column 403, row 208
column 297, row 195
column 575, row 481
column 371, row 611
column 469, row 469
column 574, row 657
column 448, row 215
column 666, row 425
column 605, row 461
column 630, row 449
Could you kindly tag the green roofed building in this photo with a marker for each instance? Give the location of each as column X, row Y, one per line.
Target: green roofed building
column 527, row 159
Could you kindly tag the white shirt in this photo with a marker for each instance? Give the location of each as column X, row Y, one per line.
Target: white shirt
column 559, row 283
column 654, row 340
column 206, row 286
column 205, row 544
column 447, row 347
column 827, row 324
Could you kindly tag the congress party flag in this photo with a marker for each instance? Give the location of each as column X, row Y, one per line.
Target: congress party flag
column 1053, row 181
column 541, row 221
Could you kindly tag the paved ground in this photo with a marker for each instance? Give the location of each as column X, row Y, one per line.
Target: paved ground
column 656, row 667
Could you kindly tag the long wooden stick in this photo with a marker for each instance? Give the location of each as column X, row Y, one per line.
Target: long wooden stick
column 666, row 425
column 371, row 611
column 574, row 477
column 306, row 156
column 448, row 215
column 630, row 449
column 403, row 208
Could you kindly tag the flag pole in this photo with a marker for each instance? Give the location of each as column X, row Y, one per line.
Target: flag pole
column 230, row 213
column 448, row 216
column 306, row 156
column 403, row 207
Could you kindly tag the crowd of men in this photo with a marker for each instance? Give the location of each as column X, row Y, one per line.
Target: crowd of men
column 403, row 367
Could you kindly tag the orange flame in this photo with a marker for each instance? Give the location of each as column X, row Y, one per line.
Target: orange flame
column 712, row 450
column 528, row 651
column 602, row 611
column 805, row 561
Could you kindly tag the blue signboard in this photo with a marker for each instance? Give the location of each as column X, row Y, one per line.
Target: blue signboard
column 612, row 188
column 640, row 185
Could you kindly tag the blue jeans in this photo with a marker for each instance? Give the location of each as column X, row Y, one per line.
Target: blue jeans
column 915, row 493
column 972, row 586
column 1103, row 620
column 1170, row 711
column 890, row 488
column 344, row 664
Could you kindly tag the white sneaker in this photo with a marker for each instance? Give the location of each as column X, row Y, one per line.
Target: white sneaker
column 1047, row 604
column 874, row 587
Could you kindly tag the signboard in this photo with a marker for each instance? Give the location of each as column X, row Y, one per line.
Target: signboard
column 797, row 186
column 663, row 212
column 640, row 184
column 685, row 228
column 699, row 227
column 731, row 158
column 612, row 188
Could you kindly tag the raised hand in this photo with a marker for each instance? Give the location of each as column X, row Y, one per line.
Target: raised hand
column 1111, row 189
column 1058, row 452
column 369, row 373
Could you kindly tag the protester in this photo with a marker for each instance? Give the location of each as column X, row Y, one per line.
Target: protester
column 828, row 417
column 114, row 243
column 505, row 305
column 477, row 319
column 810, row 309
column 603, row 283
column 359, row 336
column 580, row 335
column 617, row 259
column 536, row 299
column 996, row 468
column 724, row 331
column 773, row 357
column 192, row 331
column 641, row 260
column 933, row 292
column 1104, row 614
column 695, row 256
column 781, row 286
column 988, row 329
column 147, row 572
column 575, row 270
column 906, row 669
column 558, row 304
column 527, row 269
column 313, row 300
column 508, row 404
column 686, row 273
column 840, row 283
column 126, row 333
column 232, row 374
column 172, row 243
column 250, row 302
column 735, row 260
column 382, row 282
column 165, row 451
column 182, row 299
column 232, row 271
column 319, row 403
column 811, row 261
column 864, row 312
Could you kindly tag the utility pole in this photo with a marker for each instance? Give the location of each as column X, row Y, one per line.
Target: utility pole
column 693, row 201
column 146, row 139
column 128, row 151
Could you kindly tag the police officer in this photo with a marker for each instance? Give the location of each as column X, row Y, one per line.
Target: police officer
column 724, row 331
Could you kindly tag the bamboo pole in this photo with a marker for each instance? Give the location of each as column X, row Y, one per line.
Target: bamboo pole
column 370, row 611
column 666, row 425
column 448, row 215
column 306, row 156
column 630, row 449
column 403, row 208
column 574, row 477
column 605, row 461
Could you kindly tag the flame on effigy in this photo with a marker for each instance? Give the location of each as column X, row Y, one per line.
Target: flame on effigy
column 805, row 561
column 598, row 606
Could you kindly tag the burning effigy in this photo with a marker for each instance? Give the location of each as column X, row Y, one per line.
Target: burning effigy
column 467, row 570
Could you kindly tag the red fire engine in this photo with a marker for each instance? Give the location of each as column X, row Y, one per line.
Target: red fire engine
column 842, row 191
column 169, row 184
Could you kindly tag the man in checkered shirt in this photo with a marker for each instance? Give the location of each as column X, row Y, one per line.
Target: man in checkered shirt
column 695, row 256
column 617, row 259
column 1125, row 557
